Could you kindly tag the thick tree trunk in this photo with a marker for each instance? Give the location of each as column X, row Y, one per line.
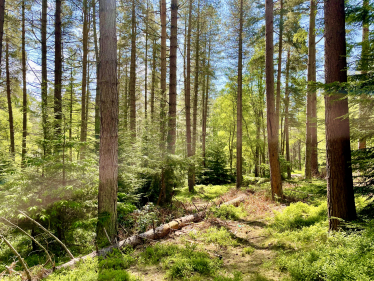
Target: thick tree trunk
column 83, row 137
column 239, row 109
column 340, row 197
column 108, row 164
column 286, row 117
column 272, row 128
column 172, row 128
column 24, row 87
column 58, row 72
column 9, row 98
column 44, row 84
column 133, row 75
column 191, row 179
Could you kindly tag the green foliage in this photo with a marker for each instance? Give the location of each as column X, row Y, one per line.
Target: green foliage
column 299, row 215
column 117, row 260
column 342, row 257
column 229, row 212
column 204, row 192
column 93, row 269
column 215, row 171
column 248, row 251
column 219, row 236
column 180, row 262
column 237, row 277
column 363, row 166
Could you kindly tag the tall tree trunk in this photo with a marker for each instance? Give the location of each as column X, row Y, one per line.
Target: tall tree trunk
column 191, row 178
column 279, row 75
column 97, row 96
column 126, row 99
column 272, row 128
column 9, row 98
column 311, row 97
column 58, row 71
column 2, row 14
column 205, row 116
column 146, row 64
column 24, row 87
column 108, row 163
column 44, row 84
column 163, row 72
column 364, row 63
column 154, row 52
column 83, row 137
column 71, row 112
column 196, row 86
column 133, row 75
column 286, row 117
column 239, row 120
column 172, row 128
column 340, row 197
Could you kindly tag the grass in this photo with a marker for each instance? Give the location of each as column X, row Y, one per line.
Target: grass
column 181, row 262
column 203, row 192
column 229, row 212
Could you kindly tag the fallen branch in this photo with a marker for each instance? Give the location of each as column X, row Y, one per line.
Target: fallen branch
column 19, row 257
column 152, row 234
column 42, row 227
column 33, row 239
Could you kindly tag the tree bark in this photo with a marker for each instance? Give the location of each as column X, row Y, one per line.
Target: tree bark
column 97, row 96
column 340, row 197
column 163, row 73
column 311, row 160
column 44, row 84
column 272, row 128
column 2, row 16
column 279, row 74
column 58, row 71
column 239, row 110
column 196, row 86
column 9, row 98
column 146, row 64
column 133, row 75
column 286, row 117
column 191, row 178
column 205, row 116
column 364, row 64
column 154, row 52
column 83, row 137
column 108, row 163
column 172, row 128
column 24, row 88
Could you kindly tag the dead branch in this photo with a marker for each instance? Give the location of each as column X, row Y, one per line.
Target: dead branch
column 33, row 239
column 150, row 235
column 58, row 240
column 19, row 257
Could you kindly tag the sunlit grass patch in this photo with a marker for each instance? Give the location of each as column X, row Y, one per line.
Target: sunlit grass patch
column 181, row 262
column 204, row 192
column 229, row 212
column 248, row 251
column 219, row 236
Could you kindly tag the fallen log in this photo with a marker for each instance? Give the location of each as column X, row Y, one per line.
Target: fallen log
column 152, row 234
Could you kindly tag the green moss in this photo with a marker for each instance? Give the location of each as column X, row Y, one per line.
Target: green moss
column 229, row 212
column 219, row 236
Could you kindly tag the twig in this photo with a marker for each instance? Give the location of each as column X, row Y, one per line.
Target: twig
column 19, row 257
column 33, row 239
column 107, row 236
column 197, row 210
column 42, row 227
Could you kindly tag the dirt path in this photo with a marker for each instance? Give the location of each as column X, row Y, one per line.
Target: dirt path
column 251, row 255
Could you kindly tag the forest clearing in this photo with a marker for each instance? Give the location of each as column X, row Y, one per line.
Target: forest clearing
column 186, row 140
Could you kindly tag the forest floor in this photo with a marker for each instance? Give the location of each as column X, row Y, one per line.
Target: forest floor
column 257, row 240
